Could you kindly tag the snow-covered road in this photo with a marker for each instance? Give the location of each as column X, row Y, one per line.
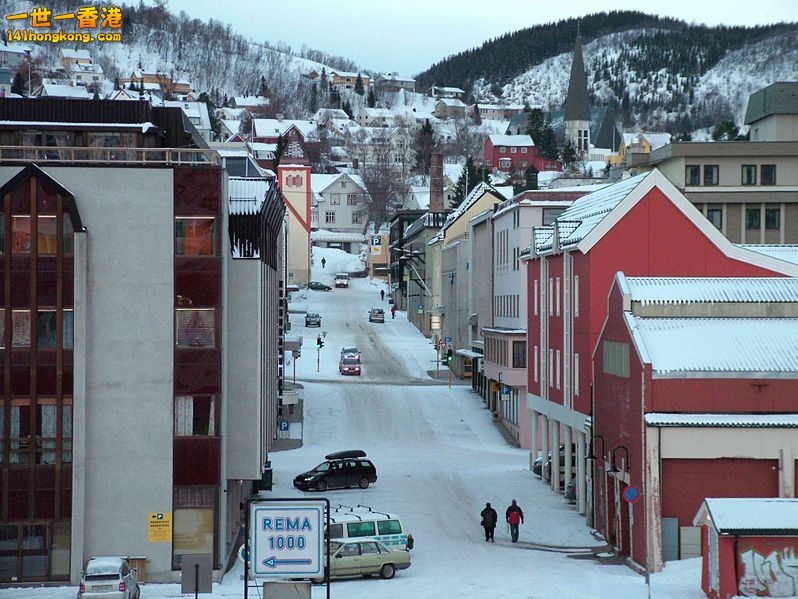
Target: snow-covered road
column 439, row 458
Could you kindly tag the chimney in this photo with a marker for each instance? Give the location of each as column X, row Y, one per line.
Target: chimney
column 436, row 182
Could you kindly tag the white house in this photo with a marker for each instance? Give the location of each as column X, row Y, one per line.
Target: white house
column 197, row 113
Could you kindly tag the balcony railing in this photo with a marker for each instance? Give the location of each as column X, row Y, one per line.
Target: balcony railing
column 84, row 155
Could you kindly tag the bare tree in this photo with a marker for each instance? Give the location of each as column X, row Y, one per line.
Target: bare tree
column 466, row 140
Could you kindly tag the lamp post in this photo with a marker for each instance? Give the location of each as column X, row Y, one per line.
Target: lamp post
column 590, row 455
column 30, row 60
column 614, row 469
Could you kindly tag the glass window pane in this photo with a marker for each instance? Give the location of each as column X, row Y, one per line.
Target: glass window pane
column 389, row 527
column 360, row 529
column 20, row 234
column 768, row 174
column 752, row 218
column 194, row 237
column 69, row 317
column 20, row 328
column 692, row 174
column 749, row 174
column 715, row 216
column 66, row 434
column 45, row 326
column 195, row 328
column 68, row 241
column 195, row 415
column 193, row 531
column 772, row 218
column 47, row 235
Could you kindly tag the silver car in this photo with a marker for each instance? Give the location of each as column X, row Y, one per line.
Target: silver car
column 109, row 578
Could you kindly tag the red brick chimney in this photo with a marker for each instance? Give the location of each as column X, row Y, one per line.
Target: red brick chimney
column 436, row 182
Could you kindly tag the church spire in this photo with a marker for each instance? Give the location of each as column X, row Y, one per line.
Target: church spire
column 577, row 105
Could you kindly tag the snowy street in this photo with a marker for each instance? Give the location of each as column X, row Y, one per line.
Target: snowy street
column 439, row 458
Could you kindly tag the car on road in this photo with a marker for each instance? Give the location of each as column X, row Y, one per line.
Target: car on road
column 342, row 280
column 317, row 286
column 360, row 523
column 340, row 470
column 351, row 351
column 109, row 578
column 349, row 365
column 376, row 315
column 365, row 558
column 312, row 319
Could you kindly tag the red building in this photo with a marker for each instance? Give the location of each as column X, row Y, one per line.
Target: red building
column 513, row 153
column 642, row 226
column 695, row 395
column 750, row 547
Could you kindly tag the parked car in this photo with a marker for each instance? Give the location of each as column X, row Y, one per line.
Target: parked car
column 342, row 280
column 362, row 523
column 351, row 351
column 359, row 274
column 349, row 365
column 365, row 558
column 376, row 315
column 547, row 465
column 316, row 286
column 342, row 469
column 109, row 578
column 312, row 319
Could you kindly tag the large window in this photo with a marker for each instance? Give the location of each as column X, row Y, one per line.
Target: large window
column 351, row 199
column 753, row 219
column 519, row 354
column 195, row 237
column 768, row 174
column 711, row 176
column 20, row 234
column 21, row 427
column 357, row 218
column 195, row 327
column 329, row 217
column 335, row 199
column 195, row 416
column 505, row 162
column 715, row 216
column 46, row 416
column 47, row 235
column 772, row 218
column 692, row 174
column 749, row 174
column 551, row 214
column 193, row 526
column 46, row 329
column 20, row 328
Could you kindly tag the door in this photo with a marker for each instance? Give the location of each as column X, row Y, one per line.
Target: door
column 370, row 560
column 347, row 560
column 24, row 552
column 351, row 473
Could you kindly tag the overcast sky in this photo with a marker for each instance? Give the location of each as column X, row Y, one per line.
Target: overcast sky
column 409, row 35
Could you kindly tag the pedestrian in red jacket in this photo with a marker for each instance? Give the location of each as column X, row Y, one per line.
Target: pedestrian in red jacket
column 515, row 516
column 393, row 311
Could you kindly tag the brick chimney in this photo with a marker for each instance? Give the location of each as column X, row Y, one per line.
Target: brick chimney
column 436, row 182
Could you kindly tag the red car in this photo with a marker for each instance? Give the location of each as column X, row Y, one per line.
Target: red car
column 349, row 365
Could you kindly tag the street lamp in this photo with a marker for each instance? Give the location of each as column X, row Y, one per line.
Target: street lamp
column 592, row 456
column 614, row 469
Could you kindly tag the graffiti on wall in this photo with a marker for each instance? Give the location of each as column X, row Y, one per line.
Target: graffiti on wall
column 768, row 568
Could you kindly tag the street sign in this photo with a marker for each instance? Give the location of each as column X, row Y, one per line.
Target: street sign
column 631, row 494
column 159, row 527
column 376, row 240
column 505, row 390
column 447, row 339
column 420, row 308
column 282, row 425
column 287, row 538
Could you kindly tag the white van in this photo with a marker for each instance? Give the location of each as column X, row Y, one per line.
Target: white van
column 363, row 522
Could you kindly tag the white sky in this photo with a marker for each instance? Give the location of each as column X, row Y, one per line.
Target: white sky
column 409, row 35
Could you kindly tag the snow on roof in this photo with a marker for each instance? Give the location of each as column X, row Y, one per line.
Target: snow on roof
column 14, row 49
column 320, row 182
column 421, row 195
column 481, row 189
column 247, row 194
column 718, row 345
column 232, row 125
column 788, row 253
column 396, row 78
column 198, row 111
column 762, row 515
column 76, row 54
column 250, row 101
column 279, row 127
column 324, row 235
column 349, row 74
column 453, row 102
column 449, row 90
column 504, row 330
column 376, row 112
column 681, row 290
column 65, row 91
column 724, row 420
column 586, row 213
column 511, row 140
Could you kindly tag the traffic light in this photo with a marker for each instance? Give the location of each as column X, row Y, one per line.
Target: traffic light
column 449, row 356
column 319, row 342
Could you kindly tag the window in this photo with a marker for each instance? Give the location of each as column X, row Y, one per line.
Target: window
column 505, row 162
column 195, row 327
column 46, row 416
column 768, row 174
column 551, row 297
column 513, row 150
column 535, row 359
column 329, row 217
column 45, row 328
column 193, row 531
column 711, row 174
column 502, row 150
column 749, row 174
column 551, row 368
column 519, row 354
column 557, row 353
column 516, row 219
column 772, row 218
column 389, row 527
column 336, row 531
column 195, row 416
column 357, row 218
column 753, row 219
column 557, row 296
column 351, row 199
column 21, row 427
column 535, row 299
column 314, row 216
column 715, row 216
column 47, row 235
column 20, row 234
column 524, row 150
column 343, row 183
column 551, row 214
column 576, row 374
column 524, row 163
column 20, row 328
column 66, row 431
column 692, row 174
column 195, row 236
column 68, row 242
column 360, row 529
column 616, row 358
column 576, row 296
column 335, row 199
column 369, row 549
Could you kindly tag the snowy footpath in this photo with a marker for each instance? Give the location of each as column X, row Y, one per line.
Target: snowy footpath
column 439, row 458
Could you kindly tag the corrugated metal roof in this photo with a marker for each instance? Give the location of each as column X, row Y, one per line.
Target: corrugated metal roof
column 588, row 211
column 724, row 420
column 247, row 194
column 756, row 345
column 685, row 290
column 788, row 253
column 731, row 515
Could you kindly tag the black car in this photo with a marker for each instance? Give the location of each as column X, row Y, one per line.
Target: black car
column 312, row 319
column 341, row 470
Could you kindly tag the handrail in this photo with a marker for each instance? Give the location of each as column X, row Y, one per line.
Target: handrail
column 89, row 155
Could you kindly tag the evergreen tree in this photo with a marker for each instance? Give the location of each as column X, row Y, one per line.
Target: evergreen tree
column 725, row 131
column 534, row 124
column 314, row 99
column 216, row 124
column 347, row 108
column 477, row 116
column 116, row 83
column 359, row 85
column 568, row 154
column 323, row 81
column 263, row 88
column 547, row 146
column 423, row 145
column 372, row 100
column 18, row 85
column 279, row 150
column 468, row 180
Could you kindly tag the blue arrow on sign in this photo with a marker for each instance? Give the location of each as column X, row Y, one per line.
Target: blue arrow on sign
column 273, row 562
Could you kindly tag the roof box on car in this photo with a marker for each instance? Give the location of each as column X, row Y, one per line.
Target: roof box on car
column 344, row 455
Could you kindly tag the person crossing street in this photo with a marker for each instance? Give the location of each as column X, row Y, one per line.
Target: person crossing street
column 515, row 516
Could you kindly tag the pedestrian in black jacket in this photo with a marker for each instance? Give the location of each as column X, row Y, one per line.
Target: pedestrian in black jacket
column 489, row 518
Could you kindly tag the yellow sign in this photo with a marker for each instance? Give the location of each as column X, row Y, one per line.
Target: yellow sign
column 376, row 250
column 108, row 19
column 159, row 527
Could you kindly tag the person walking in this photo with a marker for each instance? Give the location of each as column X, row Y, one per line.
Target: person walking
column 515, row 516
column 393, row 311
column 489, row 519
column 323, row 263
column 382, row 294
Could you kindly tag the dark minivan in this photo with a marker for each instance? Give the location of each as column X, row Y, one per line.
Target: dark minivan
column 341, row 470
